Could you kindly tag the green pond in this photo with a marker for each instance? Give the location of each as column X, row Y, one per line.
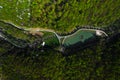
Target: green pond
column 79, row 36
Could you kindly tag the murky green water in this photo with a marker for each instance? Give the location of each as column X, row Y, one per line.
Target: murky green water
column 79, row 36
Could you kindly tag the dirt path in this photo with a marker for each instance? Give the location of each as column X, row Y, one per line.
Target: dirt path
column 37, row 30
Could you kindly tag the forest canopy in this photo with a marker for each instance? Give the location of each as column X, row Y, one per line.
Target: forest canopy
column 60, row 15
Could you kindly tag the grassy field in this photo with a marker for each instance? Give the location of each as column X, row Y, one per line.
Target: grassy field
column 60, row 15
column 50, row 39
